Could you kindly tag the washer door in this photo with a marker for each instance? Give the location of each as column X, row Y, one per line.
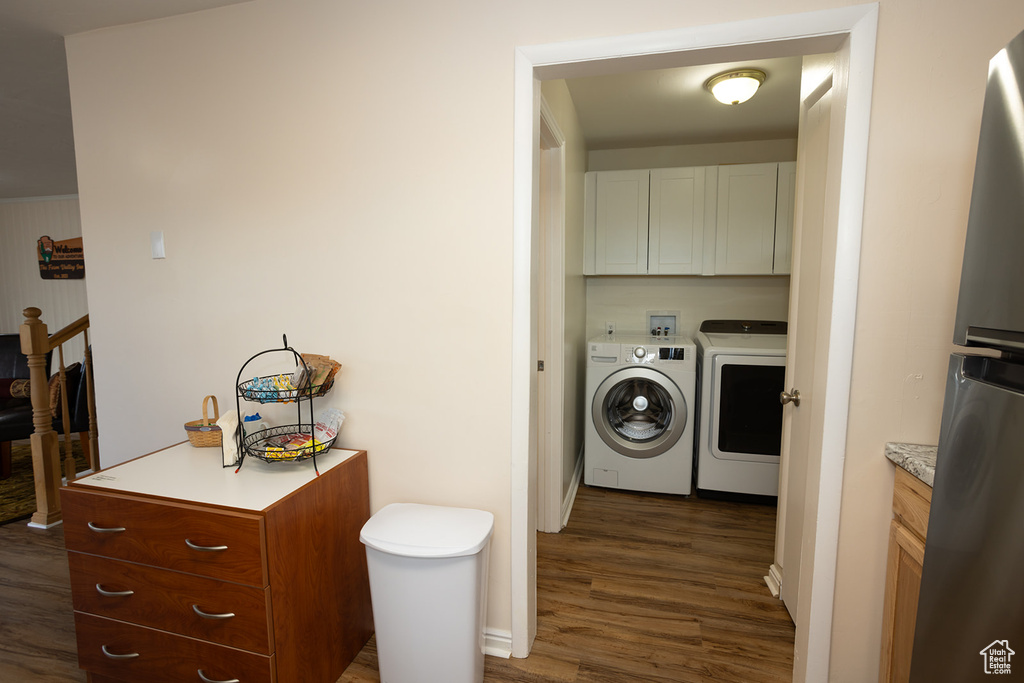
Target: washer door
column 639, row 412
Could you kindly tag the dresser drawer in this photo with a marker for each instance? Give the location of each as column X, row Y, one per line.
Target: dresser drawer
column 169, row 600
column 126, row 652
column 217, row 543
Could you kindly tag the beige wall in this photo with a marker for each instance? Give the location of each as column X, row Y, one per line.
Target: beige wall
column 573, row 361
column 342, row 172
column 924, row 134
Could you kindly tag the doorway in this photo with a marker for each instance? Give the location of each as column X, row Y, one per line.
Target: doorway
column 811, row 33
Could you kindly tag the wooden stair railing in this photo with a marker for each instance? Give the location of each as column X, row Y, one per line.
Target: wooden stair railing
column 35, row 344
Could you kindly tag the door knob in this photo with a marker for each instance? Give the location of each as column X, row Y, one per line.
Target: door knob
column 786, row 397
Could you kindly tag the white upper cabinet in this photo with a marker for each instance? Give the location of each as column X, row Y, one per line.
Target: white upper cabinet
column 785, row 203
column 676, row 235
column 745, row 228
column 619, row 214
column 706, row 220
column 644, row 222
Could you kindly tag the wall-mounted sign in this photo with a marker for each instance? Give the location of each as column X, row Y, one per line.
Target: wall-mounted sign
column 61, row 260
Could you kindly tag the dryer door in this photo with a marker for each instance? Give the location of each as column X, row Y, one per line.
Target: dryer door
column 746, row 416
column 639, row 412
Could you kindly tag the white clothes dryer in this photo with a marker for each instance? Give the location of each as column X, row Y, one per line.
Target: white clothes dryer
column 741, row 368
column 640, row 422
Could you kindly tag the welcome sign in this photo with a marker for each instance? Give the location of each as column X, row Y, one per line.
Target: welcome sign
column 61, row 260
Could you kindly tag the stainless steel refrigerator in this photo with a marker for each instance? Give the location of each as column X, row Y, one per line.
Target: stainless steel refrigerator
column 970, row 618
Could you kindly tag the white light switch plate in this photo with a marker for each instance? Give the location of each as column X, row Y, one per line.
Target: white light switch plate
column 156, row 244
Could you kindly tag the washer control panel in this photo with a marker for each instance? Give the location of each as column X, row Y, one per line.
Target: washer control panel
column 639, row 355
column 650, row 355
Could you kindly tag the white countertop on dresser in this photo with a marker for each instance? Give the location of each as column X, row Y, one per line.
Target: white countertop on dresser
column 183, row 472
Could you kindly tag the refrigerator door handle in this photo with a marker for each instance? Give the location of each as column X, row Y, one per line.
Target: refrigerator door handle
column 993, row 371
column 1004, row 340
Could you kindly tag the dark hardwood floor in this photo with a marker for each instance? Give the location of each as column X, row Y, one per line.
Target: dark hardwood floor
column 37, row 627
column 638, row 587
column 652, row 588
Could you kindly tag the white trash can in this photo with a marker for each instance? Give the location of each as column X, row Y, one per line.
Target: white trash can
column 428, row 586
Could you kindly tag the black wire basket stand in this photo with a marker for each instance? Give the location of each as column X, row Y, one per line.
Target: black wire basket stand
column 258, row 444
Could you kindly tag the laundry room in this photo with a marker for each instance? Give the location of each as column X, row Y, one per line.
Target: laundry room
column 684, row 216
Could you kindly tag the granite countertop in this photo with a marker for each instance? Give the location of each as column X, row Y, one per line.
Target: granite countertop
column 916, row 459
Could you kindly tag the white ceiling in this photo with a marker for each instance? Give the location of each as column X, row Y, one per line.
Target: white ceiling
column 638, row 109
column 671, row 106
column 37, row 154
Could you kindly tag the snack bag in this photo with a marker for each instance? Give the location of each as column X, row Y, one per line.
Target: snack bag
column 328, row 425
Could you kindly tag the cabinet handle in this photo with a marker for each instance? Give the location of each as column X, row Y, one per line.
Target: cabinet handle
column 207, row 615
column 111, row 655
column 106, row 529
column 112, row 594
column 206, row 679
column 205, row 548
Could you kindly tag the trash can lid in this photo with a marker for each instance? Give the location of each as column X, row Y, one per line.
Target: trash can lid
column 414, row 530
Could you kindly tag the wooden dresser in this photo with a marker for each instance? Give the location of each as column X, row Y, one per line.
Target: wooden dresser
column 182, row 570
column 911, row 503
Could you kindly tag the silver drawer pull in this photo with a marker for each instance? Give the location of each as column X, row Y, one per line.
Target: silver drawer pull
column 106, row 529
column 206, row 679
column 207, row 615
column 205, row 548
column 111, row 655
column 112, row 594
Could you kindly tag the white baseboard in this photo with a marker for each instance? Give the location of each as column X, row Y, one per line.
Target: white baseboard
column 498, row 643
column 574, row 486
column 63, row 482
column 33, row 525
column 774, row 580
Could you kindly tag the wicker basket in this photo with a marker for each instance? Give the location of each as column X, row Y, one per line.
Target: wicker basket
column 205, row 433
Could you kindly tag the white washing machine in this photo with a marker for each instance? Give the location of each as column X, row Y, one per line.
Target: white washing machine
column 741, row 372
column 640, row 422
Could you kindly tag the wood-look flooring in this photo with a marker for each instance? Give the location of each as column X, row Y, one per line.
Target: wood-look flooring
column 638, row 587
column 652, row 588
column 37, row 625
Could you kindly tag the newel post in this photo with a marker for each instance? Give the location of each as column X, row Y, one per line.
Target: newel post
column 45, row 455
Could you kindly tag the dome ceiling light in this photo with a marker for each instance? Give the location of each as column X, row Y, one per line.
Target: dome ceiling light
column 734, row 87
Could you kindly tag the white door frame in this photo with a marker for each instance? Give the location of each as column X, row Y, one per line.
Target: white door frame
column 551, row 382
column 806, row 33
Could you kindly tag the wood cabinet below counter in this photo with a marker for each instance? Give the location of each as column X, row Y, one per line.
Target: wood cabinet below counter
column 184, row 570
column 911, row 502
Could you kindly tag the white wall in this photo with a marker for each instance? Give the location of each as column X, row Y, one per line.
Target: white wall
column 556, row 93
column 342, row 172
column 22, row 222
column 670, row 156
column 625, row 301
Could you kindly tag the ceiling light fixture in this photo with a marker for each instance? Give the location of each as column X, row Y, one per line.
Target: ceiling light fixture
column 734, row 87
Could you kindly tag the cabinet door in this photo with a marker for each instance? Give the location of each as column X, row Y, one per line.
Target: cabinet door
column 620, row 222
column 676, row 233
column 745, row 227
column 902, row 589
column 785, row 203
